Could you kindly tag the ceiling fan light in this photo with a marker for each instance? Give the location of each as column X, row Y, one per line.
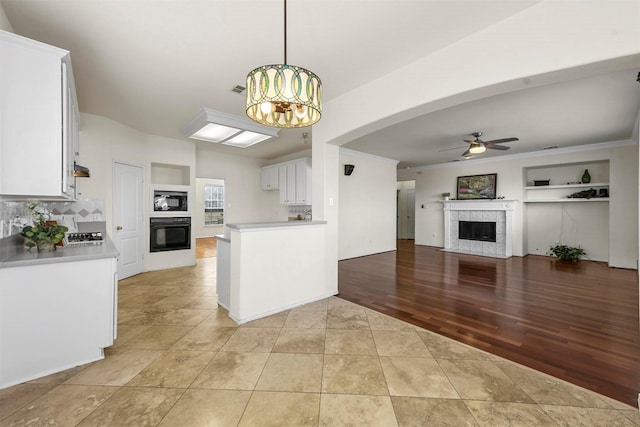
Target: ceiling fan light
column 477, row 148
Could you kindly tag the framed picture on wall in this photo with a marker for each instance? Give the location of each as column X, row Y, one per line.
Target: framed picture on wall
column 477, row 187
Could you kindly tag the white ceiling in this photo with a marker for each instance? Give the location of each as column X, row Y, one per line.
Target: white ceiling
column 153, row 64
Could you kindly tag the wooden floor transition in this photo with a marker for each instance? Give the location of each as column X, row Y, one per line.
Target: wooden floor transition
column 578, row 322
column 206, row 247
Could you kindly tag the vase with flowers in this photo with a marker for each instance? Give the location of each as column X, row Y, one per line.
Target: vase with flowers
column 43, row 234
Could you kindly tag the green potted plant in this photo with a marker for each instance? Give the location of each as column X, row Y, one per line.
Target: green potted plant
column 43, row 234
column 567, row 253
column 446, row 195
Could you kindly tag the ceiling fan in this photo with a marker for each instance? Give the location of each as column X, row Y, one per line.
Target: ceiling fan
column 477, row 145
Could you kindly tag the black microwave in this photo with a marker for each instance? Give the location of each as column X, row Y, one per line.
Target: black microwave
column 169, row 201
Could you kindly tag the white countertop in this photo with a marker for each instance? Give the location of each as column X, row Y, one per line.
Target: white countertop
column 278, row 224
column 64, row 254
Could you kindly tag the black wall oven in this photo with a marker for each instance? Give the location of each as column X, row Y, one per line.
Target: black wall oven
column 169, row 234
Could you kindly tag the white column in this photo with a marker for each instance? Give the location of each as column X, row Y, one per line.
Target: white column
column 508, row 249
column 325, row 171
column 447, row 227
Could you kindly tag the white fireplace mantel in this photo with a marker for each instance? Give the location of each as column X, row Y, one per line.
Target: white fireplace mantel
column 499, row 211
column 479, row 205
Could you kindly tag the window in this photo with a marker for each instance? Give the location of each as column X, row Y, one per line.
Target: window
column 213, row 204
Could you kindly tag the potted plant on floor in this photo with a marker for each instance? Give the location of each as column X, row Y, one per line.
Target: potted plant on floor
column 567, row 253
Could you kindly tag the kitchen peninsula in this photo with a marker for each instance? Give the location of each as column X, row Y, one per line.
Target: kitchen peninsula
column 265, row 268
column 57, row 310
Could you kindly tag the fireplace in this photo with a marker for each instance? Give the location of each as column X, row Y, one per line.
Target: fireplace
column 477, row 230
column 479, row 227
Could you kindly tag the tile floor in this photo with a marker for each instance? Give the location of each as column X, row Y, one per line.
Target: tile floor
column 180, row 361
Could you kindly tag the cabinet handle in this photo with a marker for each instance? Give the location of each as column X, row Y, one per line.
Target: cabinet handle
column 119, row 227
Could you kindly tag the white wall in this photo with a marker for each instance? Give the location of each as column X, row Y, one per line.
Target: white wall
column 102, row 142
column 616, row 222
column 623, row 208
column 325, row 161
column 245, row 200
column 4, row 21
column 288, row 157
column 367, row 211
column 198, row 227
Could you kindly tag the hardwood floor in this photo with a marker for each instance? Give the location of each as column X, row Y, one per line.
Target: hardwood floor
column 578, row 322
column 206, row 247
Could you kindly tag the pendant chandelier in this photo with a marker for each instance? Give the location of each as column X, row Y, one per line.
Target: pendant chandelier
column 282, row 95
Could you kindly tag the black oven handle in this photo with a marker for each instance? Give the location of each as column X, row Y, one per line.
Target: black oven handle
column 179, row 222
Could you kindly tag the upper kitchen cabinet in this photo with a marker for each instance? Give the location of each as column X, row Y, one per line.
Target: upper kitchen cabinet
column 295, row 182
column 38, row 121
column 303, row 181
column 269, row 178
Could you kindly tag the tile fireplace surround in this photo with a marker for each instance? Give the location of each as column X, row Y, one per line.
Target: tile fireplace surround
column 498, row 211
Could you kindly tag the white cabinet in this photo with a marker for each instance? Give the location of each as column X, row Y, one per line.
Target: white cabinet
column 292, row 178
column 295, row 182
column 269, row 178
column 303, row 181
column 55, row 316
column 39, row 120
column 287, row 183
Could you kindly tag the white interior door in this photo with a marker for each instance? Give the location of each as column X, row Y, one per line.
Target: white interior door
column 128, row 218
column 398, row 228
column 411, row 214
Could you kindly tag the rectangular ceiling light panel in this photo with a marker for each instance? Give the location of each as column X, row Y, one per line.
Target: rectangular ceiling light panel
column 214, row 133
column 227, row 129
column 246, row 139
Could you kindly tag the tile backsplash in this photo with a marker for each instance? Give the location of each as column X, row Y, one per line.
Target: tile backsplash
column 82, row 210
column 15, row 215
column 298, row 212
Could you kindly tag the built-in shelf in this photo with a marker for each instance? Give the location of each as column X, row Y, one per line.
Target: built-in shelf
column 162, row 173
column 551, row 187
column 549, row 214
column 558, row 192
column 594, row 199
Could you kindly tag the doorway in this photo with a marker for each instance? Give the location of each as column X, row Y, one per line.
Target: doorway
column 209, row 216
column 128, row 218
column 406, row 209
